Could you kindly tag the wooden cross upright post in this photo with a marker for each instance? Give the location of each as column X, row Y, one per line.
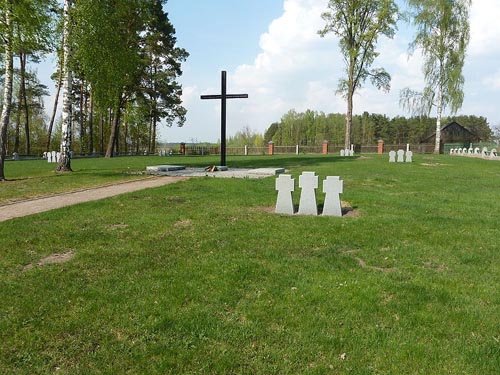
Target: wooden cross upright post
column 223, row 97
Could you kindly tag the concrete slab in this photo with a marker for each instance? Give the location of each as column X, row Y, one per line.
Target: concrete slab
column 165, row 168
column 267, row 171
column 224, row 172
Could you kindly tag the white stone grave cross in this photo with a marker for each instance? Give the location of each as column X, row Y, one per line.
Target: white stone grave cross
column 285, row 185
column 401, row 156
column 54, row 157
column 392, row 156
column 342, row 152
column 333, row 186
column 493, row 153
column 308, row 182
column 409, row 155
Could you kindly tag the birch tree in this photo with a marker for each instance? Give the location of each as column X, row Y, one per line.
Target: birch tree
column 358, row 24
column 442, row 36
column 7, row 89
column 25, row 26
column 65, row 161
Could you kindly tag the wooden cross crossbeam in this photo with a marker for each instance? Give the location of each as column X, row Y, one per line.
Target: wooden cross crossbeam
column 223, row 97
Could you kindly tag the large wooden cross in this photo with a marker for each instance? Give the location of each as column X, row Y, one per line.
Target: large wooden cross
column 223, row 97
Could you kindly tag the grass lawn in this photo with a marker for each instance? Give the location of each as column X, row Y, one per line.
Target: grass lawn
column 200, row 277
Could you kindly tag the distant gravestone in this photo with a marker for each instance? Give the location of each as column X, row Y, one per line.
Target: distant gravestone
column 54, row 157
column 477, row 151
column 452, row 151
column 409, row 156
column 392, row 156
column 333, row 186
column 285, row 185
column 342, row 152
column 308, row 182
column 15, row 156
column 493, row 153
column 470, row 151
column 484, row 152
column 58, row 157
column 460, row 150
column 401, row 156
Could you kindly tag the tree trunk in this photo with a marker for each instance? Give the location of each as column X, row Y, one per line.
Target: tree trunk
column 114, row 132
column 437, row 146
column 65, row 161
column 82, row 117
column 348, row 119
column 54, row 109
column 125, row 131
column 18, row 120
column 22, row 90
column 91, row 123
column 350, row 94
column 117, row 133
column 150, row 132
column 7, row 89
column 153, row 140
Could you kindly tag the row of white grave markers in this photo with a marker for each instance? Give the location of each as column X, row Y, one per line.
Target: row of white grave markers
column 401, row 156
column 476, row 152
column 165, row 153
column 347, row 152
column 52, row 157
column 285, row 185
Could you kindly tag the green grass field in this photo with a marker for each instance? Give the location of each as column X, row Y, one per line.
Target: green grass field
column 200, row 277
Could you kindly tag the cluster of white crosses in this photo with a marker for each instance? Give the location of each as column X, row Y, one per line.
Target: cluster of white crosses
column 285, row 185
column 401, row 156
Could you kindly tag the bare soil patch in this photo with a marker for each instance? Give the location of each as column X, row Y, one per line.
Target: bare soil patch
column 52, row 259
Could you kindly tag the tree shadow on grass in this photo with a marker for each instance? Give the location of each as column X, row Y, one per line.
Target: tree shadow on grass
column 286, row 161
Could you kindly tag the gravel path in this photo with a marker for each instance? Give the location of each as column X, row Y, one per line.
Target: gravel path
column 37, row 205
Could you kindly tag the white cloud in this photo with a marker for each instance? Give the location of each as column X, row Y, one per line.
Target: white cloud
column 492, row 81
column 485, row 35
column 285, row 74
column 297, row 69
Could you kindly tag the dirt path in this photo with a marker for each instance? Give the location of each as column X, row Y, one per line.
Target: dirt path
column 37, row 205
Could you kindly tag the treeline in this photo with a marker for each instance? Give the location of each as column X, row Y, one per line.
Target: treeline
column 125, row 65
column 246, row 137
column 312, row 128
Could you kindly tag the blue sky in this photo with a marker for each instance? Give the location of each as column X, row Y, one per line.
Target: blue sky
column 271, row 50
